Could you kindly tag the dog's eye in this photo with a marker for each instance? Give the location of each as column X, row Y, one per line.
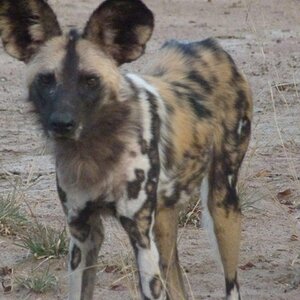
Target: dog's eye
column 91, row 81
column 47, row 79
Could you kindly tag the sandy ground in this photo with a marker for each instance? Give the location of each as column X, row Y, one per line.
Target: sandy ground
column 264, row 39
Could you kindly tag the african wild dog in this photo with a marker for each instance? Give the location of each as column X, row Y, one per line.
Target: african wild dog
column 135, row 146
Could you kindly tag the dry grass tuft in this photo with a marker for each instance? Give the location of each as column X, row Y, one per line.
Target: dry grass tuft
column 191, row 214
column 44, row 242
column 38, row 282
column 11, row 216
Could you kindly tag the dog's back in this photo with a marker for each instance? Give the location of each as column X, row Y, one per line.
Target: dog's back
column 205, row 108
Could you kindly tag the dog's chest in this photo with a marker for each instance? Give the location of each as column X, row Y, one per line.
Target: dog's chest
column 125, row 180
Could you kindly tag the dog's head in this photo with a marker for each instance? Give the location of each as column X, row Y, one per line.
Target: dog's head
column 73, row 77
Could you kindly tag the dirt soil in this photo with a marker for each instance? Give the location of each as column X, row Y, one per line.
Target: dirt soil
column 264, row 39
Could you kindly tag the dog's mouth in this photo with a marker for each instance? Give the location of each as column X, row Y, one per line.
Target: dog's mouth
column 73, row 134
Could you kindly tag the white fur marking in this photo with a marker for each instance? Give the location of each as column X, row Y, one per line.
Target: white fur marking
column 141, row 83
column 242, row 123
column 167, row 188
column 164, row 183
column 234, row 294
column 146, row 117
column 128, row 208
column 78, row 132
column 139, row 162
column 148, row 262
column 75, row 276
column 207, row 219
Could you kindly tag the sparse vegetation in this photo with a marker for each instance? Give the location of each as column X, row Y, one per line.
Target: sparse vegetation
column 191, row 214
column 37, row 282
column 125, row 267
column 44, row 241
column 11, row 215
column 123, row 264
column 248, row 199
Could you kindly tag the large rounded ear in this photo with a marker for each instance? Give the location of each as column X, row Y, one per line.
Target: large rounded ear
column 121, row 28
column 25, row 25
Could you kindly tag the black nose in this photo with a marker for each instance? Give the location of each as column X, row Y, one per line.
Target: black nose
column 61, row 123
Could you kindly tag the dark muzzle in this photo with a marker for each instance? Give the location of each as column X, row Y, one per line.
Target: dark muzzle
column 61, row 124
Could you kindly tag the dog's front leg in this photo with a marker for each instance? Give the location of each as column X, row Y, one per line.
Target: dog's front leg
column 87, row 234
column 140, row 232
